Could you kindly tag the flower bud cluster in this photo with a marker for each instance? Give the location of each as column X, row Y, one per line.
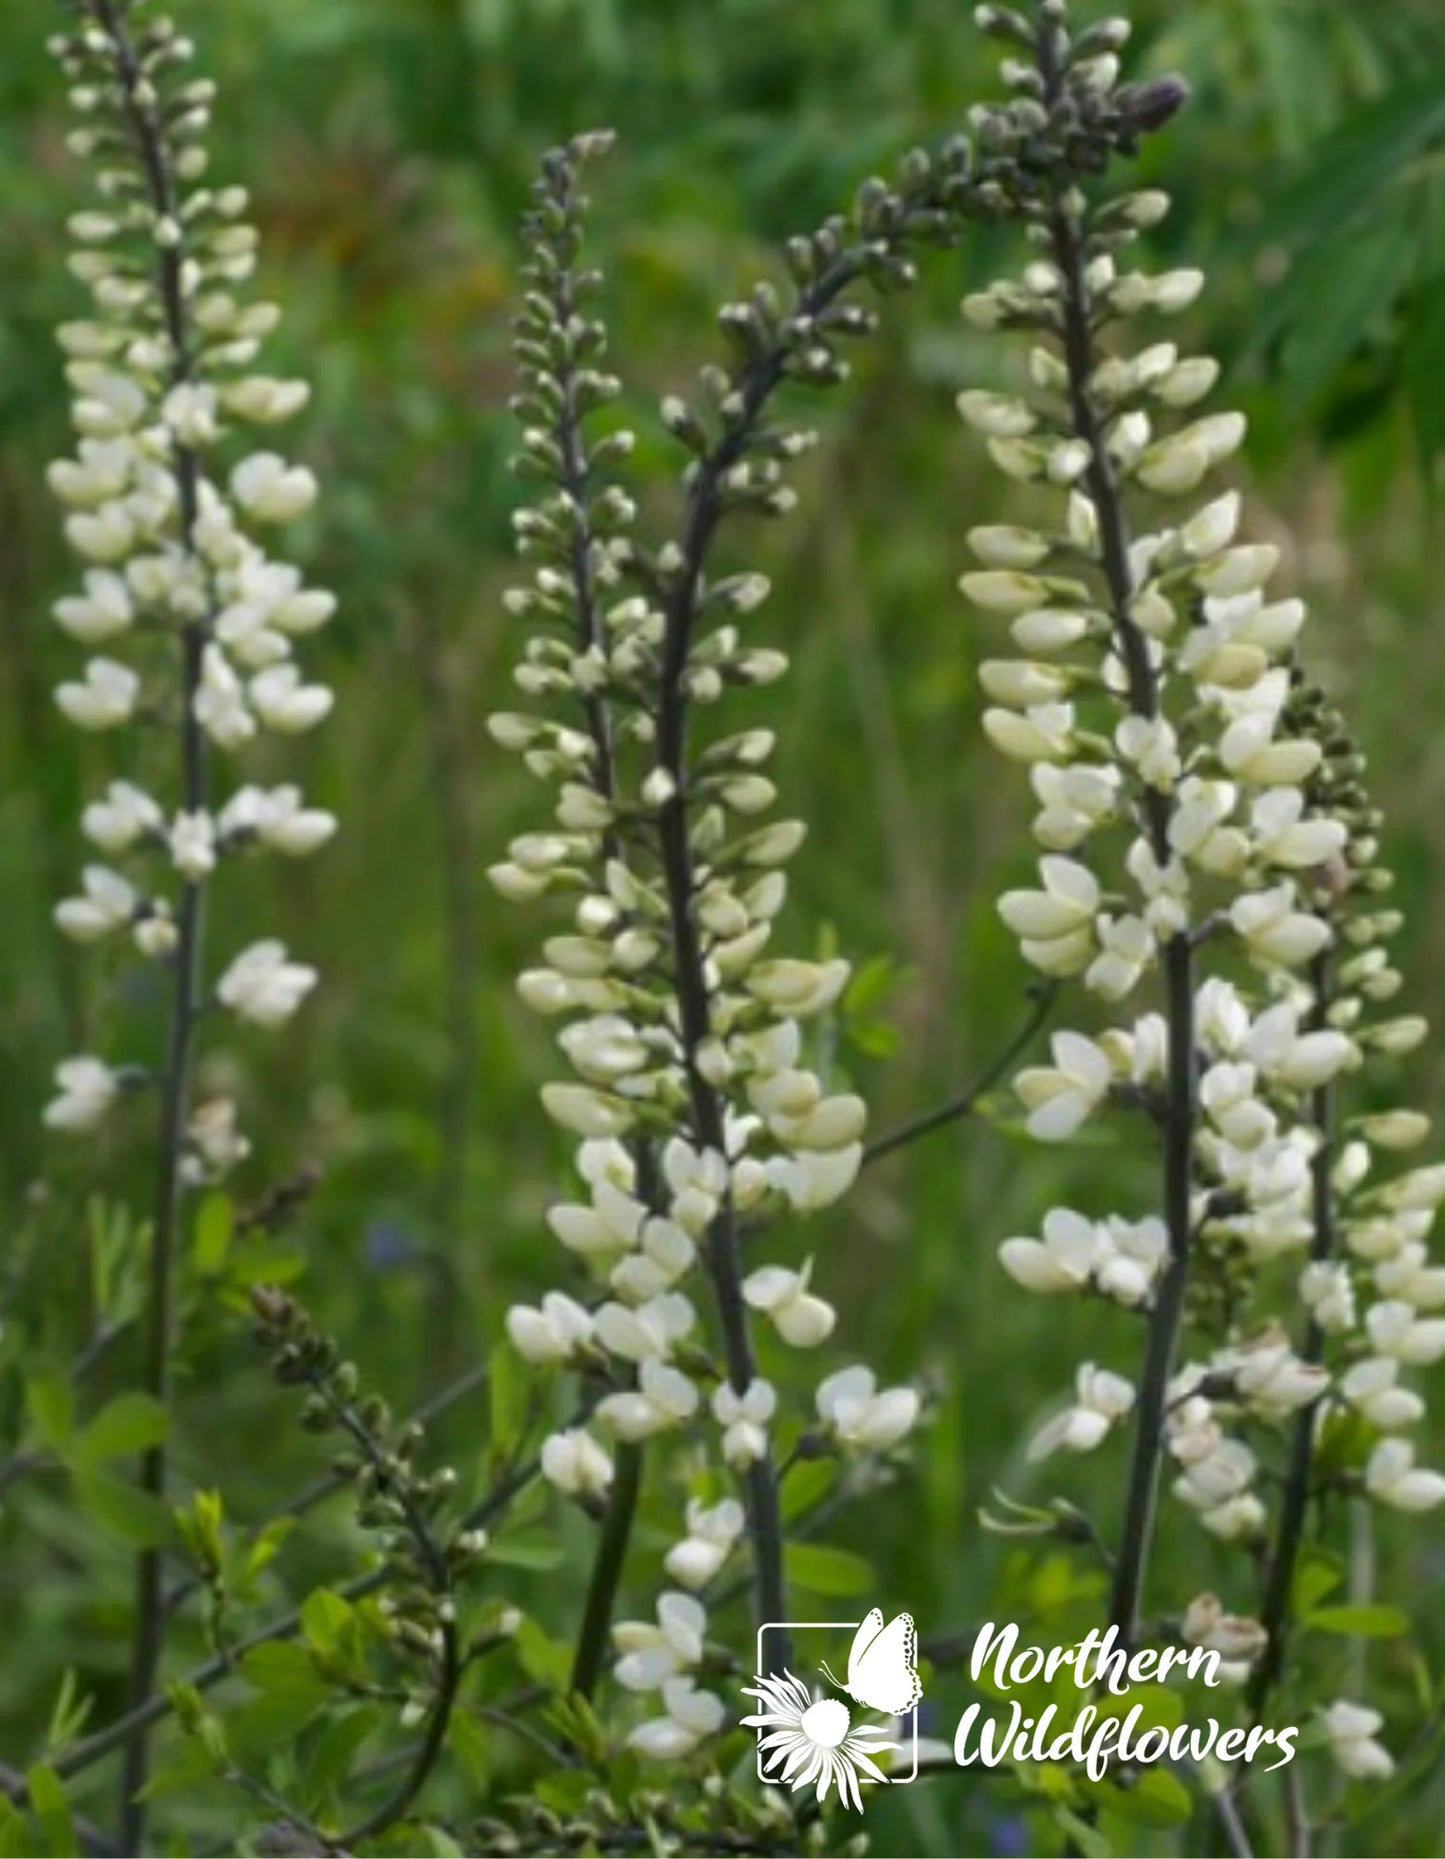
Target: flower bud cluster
column 1197, row 797
column 189, row 619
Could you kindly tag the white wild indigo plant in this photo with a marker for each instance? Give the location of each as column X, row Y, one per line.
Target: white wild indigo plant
column 1211, row 902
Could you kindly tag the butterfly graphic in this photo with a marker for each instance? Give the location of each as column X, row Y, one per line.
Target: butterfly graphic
column 883, row 1665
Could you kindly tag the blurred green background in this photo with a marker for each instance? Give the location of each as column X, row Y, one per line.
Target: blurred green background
column 390, row 144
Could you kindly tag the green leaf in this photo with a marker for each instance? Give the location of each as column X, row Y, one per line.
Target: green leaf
column 327, row 1622
column 129, row 1424
column 1316, row 1575
column 1365, row 1620
column 123, row 1508
column 806, row 1482
column 52, row 1810
column 51, row 1401
column 509, row 1386
column 471, row 1746
column 15, row 1842
column 527, row 1549
column 281, row 1666
column 821, row 1570
column 1348, row 171
column 338, row 1746
column 214, row 1229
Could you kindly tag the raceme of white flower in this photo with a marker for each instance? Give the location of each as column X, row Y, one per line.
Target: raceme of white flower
column 691, row 1091
column 188, row 617
column 1203, row 830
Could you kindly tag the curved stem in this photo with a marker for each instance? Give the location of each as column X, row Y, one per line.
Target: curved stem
column 141, row 114
column 959, row 1107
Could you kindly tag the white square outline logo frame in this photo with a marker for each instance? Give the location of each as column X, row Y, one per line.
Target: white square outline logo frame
column 807, row 1626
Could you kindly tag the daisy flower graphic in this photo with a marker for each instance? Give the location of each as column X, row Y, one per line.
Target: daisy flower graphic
column 813, row 1740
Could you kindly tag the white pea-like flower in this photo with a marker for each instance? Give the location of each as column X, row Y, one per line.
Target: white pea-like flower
column 650, row 1654
column 1393, row 1478
column 104, row 699
column 574, row 1462
column 263, row 985
column 860, row 1416
column 88, row 1089
column 270, row 490
column 1350, row 1730
column 1103, row 1399
column 692, row 1717
column 799, row 1317
column 712, row 1531
column 1062, row 1097
column 552, row 1333
column 109, row 902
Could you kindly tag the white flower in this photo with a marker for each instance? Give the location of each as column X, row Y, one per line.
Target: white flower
column 1395, row 1330
column 270, row 490
column 1103, row 1399
column 105, row 699
column 220, row 704
column 1327, row 1289
column 1272, row 1376
column 1351, row 1729
column 800, row 1318
column 1055, row 925
column 1372, row 1385
column 664, row 1397
column 1062, row 1097
column 696, row 1558
column 815, row 1178
column 217, row 1143
column 586, row 1112
column 551, row 1334
column 1063, row 1260
column 1283, row 836
column 744, row 1419
column 653, row 1654
column 88, row 1088
column 1393, row 1478
column 193, row 845
column 278, row 818
column 109, row 903
column 651, row 1330
column 1275, row 931
column 692, row 1717
column 264, row 400
column 861, row 1418
column 104, row 610
column 574, row 1462
column 285, row 704
column 263, row 986
column 125, row 815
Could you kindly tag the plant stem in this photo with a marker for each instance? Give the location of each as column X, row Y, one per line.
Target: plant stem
column 607, row 1567
column 1279, row 1577
column 959, row 1107
column 1179, row 1109
column 142, row 116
